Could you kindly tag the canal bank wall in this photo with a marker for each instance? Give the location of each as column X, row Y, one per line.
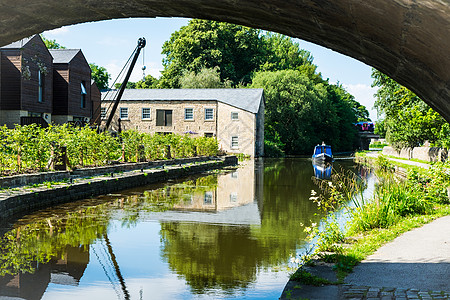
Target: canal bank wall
column 25, row 193
column 429, row 154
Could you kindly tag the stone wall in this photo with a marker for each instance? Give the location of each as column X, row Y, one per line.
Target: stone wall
column 179, row 125
column 36, row 178
column 21, row 201
column 11, row 117
column 244, row 128
column 431, row 154
column 222, row 126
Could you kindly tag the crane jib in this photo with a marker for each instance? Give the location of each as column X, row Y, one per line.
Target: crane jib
column 141, row 44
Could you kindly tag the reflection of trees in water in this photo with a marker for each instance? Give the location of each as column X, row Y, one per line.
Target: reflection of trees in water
column 207, row 255
column 228, row 257
column 212, row 256
column 45, row 238
column 287, row 188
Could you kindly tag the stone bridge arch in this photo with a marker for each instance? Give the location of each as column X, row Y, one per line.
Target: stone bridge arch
column 407, row 39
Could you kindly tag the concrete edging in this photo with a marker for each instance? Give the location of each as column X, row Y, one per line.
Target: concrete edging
column 23, row 200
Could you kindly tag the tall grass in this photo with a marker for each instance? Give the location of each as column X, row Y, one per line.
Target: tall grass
column 392, row 200
column 396, row 206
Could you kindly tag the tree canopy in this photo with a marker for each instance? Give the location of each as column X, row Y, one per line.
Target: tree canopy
column 52, row 44
column 408, row 121
column 100, row 76
column 301, row 113
column 149, row 82
column 235, row 49
column 204, row 79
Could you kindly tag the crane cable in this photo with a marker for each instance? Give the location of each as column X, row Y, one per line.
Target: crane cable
column 120, row 75
column 143, row 65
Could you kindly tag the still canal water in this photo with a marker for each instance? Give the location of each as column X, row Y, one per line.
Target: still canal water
column 229, row 234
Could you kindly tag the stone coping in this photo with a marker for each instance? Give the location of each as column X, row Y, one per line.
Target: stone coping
column 55, row 176
column 24, row 199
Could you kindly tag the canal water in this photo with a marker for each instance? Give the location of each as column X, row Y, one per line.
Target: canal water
column 229, row 234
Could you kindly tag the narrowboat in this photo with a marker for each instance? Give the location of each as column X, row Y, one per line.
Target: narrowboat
column 322, row 154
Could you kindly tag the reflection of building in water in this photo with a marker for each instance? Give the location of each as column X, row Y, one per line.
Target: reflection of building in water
column 65, row 271
column 237, row 188
column 233, row 189
column 232, row 200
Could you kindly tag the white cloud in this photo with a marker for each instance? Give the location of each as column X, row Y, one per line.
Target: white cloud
column 364, row 94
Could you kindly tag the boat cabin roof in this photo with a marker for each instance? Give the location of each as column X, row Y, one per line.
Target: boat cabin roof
column 322, row 149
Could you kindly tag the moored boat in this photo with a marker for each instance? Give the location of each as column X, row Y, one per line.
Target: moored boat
column 322, row 154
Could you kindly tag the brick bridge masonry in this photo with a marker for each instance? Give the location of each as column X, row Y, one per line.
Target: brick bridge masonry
column 406, row 39
column 26, row 193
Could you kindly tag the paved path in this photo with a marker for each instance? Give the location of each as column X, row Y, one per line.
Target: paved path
column 403, row 161
column 418, row 261
column 416, row 265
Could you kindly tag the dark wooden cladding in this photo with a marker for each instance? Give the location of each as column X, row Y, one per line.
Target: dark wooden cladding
column 20, row 70
column 60, row 89
column 96, row 97
column 31, row 82
column 79, row 71
column 10, row 92
column 67, row 87
column 37, row 57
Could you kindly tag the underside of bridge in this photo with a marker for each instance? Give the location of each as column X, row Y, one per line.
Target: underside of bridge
column 406, row 39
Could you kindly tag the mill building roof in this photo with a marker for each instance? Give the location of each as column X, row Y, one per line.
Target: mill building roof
column 246, row 99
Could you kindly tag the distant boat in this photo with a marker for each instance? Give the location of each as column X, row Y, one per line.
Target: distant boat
column 322, row 154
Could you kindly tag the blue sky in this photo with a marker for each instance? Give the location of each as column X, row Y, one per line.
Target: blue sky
column 110, row 43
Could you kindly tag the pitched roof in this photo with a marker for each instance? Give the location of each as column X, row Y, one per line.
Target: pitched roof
column 19, row 44
column 63, row 56
column 246, row 99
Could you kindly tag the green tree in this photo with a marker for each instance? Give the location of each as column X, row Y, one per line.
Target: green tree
column 130, row 85
column 235, row 49
column 204, row 79
column 51, row 44
column 409, row 121
column 100, row 76
column 380, row 128
column 301, row 113
column 282, row 53
column 148, row 82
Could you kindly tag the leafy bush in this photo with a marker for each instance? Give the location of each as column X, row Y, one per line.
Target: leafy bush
column 30, row 148
column 432, row 183
column 271, row 149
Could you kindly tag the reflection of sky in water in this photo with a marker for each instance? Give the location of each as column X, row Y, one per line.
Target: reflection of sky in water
column 234, row 243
